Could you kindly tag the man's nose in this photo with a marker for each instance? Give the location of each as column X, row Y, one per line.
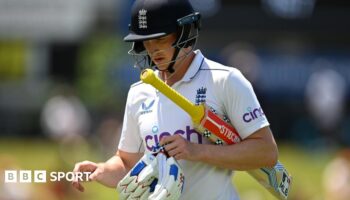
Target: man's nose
column 153, row 50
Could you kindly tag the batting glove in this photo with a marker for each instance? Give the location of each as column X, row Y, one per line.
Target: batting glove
column 171, row 179
column 140, row 182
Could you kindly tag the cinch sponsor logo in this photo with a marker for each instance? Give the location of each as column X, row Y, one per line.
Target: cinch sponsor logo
column 189, row 134
column 146, row 108
column 252, row 114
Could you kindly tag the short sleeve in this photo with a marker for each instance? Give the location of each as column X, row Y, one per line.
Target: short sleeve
column 130, row 139
column 241, row 105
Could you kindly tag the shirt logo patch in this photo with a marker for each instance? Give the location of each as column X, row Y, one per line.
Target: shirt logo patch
column 146, row 108
column 190, row 134
column 252, row 114
column 142, row 19
column 201, row 95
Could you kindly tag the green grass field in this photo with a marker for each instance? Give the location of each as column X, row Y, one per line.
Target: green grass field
column 306, row 168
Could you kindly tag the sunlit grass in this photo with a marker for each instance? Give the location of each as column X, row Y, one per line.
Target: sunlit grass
column 305, row 166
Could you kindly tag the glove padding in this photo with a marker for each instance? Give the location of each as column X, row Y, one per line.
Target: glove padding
column 171, row 179
column 153, row 178
column 140, row 182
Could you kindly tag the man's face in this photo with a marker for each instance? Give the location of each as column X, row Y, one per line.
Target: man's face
column 160, row 50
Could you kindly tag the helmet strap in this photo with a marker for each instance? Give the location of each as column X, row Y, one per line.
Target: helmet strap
column 170, row 68
column 186, row 30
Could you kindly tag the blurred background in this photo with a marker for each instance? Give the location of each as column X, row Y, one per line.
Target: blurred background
column 65, row 73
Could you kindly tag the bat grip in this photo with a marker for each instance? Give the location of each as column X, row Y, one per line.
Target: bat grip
column 196, row 112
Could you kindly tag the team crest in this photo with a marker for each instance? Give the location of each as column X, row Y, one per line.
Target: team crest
column 143, row 19
column 201, row 95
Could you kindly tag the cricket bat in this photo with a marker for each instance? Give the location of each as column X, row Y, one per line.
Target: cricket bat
column 207, row 122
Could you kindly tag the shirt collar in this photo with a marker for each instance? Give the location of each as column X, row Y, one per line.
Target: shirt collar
column 194, row 67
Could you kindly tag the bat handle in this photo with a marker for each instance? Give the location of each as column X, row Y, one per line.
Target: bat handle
column 196, row 112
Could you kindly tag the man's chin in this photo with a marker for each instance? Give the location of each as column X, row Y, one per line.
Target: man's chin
column 162, row 67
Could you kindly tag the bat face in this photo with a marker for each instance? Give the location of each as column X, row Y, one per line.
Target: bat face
column 223, row 131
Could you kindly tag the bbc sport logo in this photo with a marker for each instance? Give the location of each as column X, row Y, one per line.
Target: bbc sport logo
column 42, row 176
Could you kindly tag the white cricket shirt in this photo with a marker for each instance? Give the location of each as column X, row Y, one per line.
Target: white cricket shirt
column 149, row 116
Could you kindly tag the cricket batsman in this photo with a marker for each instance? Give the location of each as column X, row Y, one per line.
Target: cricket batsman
column 160, row 154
